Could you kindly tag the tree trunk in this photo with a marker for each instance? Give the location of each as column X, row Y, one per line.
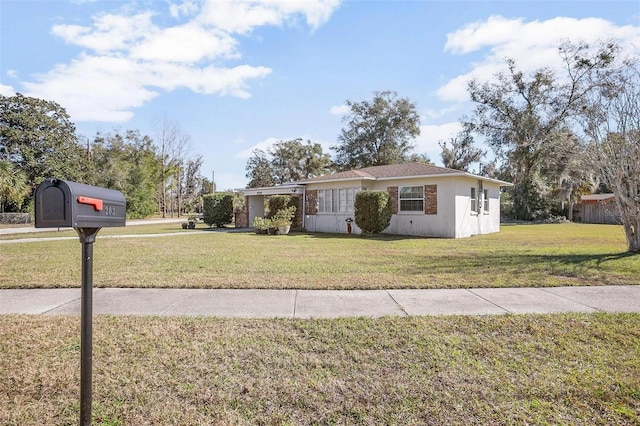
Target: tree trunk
column 633, row 236
column 630, row 215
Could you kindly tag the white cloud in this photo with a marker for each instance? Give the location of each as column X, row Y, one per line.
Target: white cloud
column 433, row 114
column 109, row 32
column 187, row 43
column 531, row 44
column 187, row 8
column 95, row 88
column 6, row 90
column 264, row 146
column 431, row 134
column 129, row 59
column 339, row 109
column 243, row 16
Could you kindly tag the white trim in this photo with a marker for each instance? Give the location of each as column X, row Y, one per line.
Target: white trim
column 349, row 179
column 446, row 175
column 274, row 190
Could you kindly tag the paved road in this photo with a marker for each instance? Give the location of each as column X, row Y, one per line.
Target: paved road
column 323, row 303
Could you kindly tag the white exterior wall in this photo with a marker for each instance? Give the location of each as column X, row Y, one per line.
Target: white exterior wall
column 470, row 223
column 333, row 222
column 441, row 225
column 453, row 219
column 256, row 207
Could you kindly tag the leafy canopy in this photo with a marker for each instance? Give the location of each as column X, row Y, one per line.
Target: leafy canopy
column 38, row 137
column 377, row 132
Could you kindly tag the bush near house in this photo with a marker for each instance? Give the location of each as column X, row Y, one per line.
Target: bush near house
column 373, row 211
column 283, row 202
column 218, row 209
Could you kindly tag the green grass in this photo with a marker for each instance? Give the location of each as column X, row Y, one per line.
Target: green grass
column 163, row 228
column 518, row 256
column 570, row 369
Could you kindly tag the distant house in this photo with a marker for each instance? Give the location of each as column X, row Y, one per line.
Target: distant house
column 427, row 200
column 597, row 208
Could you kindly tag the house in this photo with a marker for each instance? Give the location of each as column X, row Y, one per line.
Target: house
column 427, row 200
column 597, row 208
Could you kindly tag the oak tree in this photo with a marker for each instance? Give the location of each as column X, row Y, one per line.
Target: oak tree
column 377, row 132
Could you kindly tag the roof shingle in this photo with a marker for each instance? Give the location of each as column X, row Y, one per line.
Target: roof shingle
column 388, row 171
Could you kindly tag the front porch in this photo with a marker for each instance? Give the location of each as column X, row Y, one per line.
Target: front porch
column 254, row 203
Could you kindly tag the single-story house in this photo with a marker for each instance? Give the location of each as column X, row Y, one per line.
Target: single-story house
column 427, row 200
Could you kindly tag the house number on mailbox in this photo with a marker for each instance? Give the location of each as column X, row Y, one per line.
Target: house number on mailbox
column 110, row 210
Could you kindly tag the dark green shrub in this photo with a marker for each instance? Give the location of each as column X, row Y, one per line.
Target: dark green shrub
column 373, row 211
column 283, row 202
column 278, row 202
column 218, row 209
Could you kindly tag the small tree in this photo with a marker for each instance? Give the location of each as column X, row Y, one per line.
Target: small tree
column 218, row 209
column 373, row 211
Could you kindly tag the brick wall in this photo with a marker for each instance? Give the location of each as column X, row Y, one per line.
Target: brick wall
column 431, row 199
column 297, row 220
column 312, row 202
column 393, row 193
column 242, row 218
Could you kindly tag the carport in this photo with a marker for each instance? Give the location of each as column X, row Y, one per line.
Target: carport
column 254, row 200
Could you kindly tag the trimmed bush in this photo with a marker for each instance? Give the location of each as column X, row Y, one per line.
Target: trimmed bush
column 373, row 211
column 218, row 209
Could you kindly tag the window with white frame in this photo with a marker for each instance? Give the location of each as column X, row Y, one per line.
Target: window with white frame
column 474, row 200
column 485, row 200
column 337, row 200
column 411, row 198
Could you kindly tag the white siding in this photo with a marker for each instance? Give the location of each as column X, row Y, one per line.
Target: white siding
column 470, row 223
column 453, row 219
column 441, row 225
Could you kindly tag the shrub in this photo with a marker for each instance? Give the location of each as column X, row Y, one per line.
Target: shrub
column 284, row 216
column 285, row 203
column 373, row 211
column 218, row 209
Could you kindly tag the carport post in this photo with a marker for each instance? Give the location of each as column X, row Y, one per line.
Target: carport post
column 87, row 238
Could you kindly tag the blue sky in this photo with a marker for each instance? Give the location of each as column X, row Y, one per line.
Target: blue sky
column 241, row 75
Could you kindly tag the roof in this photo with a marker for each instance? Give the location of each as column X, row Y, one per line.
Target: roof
column 395, row 171
column 597, row 198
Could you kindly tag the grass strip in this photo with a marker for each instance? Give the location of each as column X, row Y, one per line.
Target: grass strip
column 573, row 369
column 518, row 256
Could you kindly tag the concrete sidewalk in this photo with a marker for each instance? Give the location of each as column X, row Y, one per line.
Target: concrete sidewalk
column 323, row 303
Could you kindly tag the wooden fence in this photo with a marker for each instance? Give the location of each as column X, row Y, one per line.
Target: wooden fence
column 606, row 213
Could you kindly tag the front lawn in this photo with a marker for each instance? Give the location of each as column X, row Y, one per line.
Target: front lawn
column 569, row 369
column 518, row 256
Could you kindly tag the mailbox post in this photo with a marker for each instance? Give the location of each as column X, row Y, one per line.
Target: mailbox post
column 87, row 209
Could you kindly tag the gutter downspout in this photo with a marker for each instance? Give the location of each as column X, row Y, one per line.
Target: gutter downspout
column 304, row 207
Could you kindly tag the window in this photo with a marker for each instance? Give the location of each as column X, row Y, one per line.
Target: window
column 474, row 201
column 486, row 200
column 336, row 200
column 411, row 198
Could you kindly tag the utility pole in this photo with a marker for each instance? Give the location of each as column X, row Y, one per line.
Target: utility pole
column 213, row 182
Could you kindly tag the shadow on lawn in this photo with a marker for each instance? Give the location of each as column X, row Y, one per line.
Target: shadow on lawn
column 519, row 264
